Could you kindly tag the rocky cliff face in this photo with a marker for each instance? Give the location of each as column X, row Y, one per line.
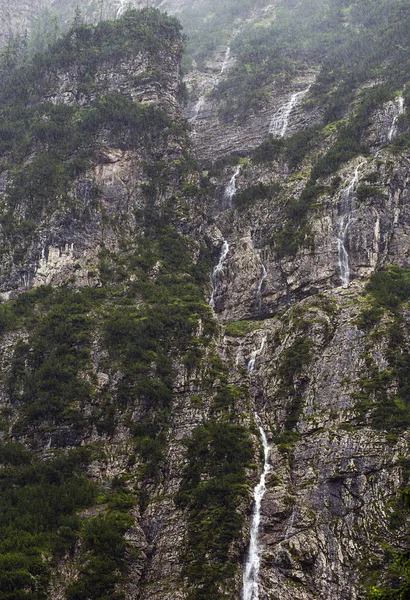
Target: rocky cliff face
column 330, row 497
column 110, row 344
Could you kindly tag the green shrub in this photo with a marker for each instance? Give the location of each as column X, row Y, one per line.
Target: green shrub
column 38, row 504
column 253, row 193
column 212, row 488
column 364, row 192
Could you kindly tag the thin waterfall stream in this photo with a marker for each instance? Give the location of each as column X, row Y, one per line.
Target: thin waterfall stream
column 280, row 120
column 216, row 273
column 346, row 210
column 250, row 589
column 399, row 110
column 260, row 287
column 230, row 190
column 121, row 8
column 226, row 59
column 197, row 111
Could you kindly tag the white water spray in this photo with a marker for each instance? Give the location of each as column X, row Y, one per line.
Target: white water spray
column 260, row 287
column 346, row 206
column 226, row 59
column 121, row 8
column 251, row 572
column 216, row 273
column 280, row 119
column 255, row 354
column 398, row 110
column 197, row 111
column 230, row 189
column 250, row 589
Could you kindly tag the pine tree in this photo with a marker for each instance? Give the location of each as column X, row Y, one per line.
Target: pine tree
column 402, row 563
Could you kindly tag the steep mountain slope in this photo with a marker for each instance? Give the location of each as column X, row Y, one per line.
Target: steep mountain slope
column 116, row 357
column 178, row 293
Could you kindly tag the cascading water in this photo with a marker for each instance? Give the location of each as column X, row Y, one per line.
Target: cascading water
column 197, row 111
column 216, row 273
column 226, row 59
column 121, row 8
column 399, row 110
column 250, row 589
column 254, row 355
column 260, row 287
column 230, row 190
column 280, row 120
column 346, row 207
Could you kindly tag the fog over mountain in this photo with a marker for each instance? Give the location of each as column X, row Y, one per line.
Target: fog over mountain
column 204, row 300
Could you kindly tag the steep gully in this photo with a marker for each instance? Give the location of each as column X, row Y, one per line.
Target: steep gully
column 250, row 589
column 278, row 126
column 346, row 212
column 399, row 109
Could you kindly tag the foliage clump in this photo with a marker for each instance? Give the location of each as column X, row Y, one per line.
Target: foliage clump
column 386, row 394
column 213, row 490
column 38, row 501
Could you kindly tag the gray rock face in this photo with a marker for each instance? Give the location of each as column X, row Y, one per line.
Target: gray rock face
column 213, row 138
column 376, row 236
column 328, row 504
column 16, row 17
column 327, row 512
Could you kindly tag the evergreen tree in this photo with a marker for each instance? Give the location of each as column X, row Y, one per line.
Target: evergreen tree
column 402, row 563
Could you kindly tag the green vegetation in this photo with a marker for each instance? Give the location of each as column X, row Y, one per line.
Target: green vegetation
column 399, row 588
column 359, row 40
column 387, row 289
column 349, row 134
column 213, row 490
column 389, row 410
column 105, row 548
column 240, row 328
column 259, row 191
column 44, row 380
column 296, row 231
column 291, row 381
column 299, row 34
column 38, row 505
column 46, row 146
column 149, row 316
column 364, row 192
column 143, row 325
column 208, row 25
column 229, row 160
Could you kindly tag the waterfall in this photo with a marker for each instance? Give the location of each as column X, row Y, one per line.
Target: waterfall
column 121, row 8
column 348, row 196
column 260, row 286
column 216, row 273
column 251, row 571
column 255, row 354
column 252, row 566
column 230, row 190
column 280, row 119
column 398, row 110
column 197, row 110
column 226, row 59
